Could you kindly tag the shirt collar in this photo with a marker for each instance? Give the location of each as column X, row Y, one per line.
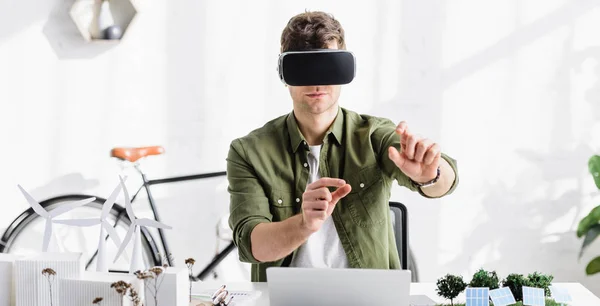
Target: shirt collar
column 297, row 139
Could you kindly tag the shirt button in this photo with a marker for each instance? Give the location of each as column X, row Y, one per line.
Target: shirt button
column 279, row 201
column 362, row 185
column 305, row 165
column 297, row 200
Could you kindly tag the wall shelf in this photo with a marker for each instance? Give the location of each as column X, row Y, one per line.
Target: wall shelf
column 84, row 15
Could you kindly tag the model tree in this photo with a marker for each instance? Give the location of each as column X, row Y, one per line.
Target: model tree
column 516, row 282
column 450, row 286
column 539, row 280
column 485, row 279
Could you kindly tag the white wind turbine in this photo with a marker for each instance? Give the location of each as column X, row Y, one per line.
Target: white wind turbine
column 136, row 260
column 104, row 226
column 50, row 215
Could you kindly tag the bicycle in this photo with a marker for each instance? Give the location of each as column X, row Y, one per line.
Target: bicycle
column 118, row 216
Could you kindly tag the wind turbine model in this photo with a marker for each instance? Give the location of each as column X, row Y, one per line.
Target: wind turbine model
column 50, row 215
column 137, row 263
column 104, row 226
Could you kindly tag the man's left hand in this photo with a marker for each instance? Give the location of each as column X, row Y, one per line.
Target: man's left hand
column 418, row 158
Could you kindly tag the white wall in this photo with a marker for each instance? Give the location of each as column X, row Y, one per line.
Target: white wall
column 511, row 89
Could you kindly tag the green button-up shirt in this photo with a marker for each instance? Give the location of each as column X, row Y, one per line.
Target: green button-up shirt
column 268, row 172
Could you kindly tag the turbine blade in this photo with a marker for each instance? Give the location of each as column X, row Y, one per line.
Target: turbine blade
column 112, row 233
column 151, row 223
column 69, row 206
column 125, row 241
column 34, row 204
column 110, row 201
column 130, row 213
column 47, row 235
column 79, row 222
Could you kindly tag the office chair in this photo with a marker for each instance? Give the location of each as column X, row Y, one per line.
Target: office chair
column 399, row 216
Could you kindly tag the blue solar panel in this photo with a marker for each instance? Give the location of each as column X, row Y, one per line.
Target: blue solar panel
column 478, row 296
column 533, row 296
column 560, row 295
column 502, row 297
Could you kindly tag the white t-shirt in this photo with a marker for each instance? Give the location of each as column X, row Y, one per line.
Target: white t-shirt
column 323, row 249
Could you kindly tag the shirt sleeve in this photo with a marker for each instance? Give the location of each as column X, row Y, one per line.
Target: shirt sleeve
column 249, row 205
column 383, row 136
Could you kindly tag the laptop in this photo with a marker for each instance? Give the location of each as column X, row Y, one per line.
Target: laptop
column 328, row 287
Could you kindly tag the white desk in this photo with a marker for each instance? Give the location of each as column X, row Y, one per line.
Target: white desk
column 581, row 295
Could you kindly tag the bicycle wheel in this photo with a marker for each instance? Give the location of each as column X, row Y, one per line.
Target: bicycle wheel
column 25, row 234
column 412, row 266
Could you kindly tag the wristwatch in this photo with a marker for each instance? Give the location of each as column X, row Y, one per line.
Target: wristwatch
column 429, row 183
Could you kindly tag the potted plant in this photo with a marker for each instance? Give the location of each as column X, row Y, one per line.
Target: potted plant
column 590, row 225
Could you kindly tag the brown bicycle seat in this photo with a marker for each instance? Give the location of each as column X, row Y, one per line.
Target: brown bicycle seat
column 133, row 154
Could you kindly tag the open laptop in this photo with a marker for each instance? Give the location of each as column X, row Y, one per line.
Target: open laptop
column 348, row 287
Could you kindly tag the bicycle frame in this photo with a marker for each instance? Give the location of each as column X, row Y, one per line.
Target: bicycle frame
column 146, row 185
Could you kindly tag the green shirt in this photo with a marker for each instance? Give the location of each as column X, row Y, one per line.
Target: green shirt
column 268, row 171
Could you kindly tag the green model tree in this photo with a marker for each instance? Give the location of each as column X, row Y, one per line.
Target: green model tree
column 450, row 286
column 541, row 281
column 537, row 280
column 484, row 279
column 516, row 282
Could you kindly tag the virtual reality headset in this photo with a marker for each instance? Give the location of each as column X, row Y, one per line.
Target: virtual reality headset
column 317, row 67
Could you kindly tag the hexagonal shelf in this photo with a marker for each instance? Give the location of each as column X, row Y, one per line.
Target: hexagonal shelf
column 120, row 13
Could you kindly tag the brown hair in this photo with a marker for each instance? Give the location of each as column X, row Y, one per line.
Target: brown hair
column 311, row 30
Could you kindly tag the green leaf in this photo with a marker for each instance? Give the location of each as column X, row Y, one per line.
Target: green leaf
column 593, row 267
column 594, row 166
column 590, row 220
column 591, row 234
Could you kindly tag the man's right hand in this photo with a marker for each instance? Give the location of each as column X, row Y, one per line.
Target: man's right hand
column 318, row 202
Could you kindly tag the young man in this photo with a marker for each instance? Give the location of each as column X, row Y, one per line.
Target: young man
column 311, row 188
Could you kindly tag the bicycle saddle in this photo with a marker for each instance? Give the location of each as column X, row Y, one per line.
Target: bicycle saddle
column 133, row 154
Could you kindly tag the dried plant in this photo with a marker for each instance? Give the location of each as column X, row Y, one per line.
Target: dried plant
column 165, row 259
column 97, row 301
column 126, row 289
column 153, row 279
column 190, row 264
column 50, row 275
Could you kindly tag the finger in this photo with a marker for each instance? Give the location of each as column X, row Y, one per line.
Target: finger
column 411, row 143
column 437, row 159
column 316, row 214
column 402, row 128
column 317, row 194
column 340, row 193
column 421, row 148
column 431, row 154
column 315, row 205
column 396, row 157
column 326, row 182
column 322, row 194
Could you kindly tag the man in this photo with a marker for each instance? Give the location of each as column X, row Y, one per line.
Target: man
column 311, row 188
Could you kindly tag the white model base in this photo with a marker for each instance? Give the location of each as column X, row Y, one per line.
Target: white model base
column 32, row 288
column 82, row 291
column 174, row 290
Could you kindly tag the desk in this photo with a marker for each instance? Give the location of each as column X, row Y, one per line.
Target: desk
column 581, row 295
